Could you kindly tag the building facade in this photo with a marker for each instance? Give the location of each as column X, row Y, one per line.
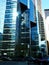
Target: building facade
column 17, row 30
column 35, row 39
column 41, row 29
column 40, row 19
column 9, row 30
column 39, row 44
column 46, row 20
column 23, row 30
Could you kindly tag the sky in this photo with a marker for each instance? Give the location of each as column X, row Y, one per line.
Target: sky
column 45, row 5
column 2, row 13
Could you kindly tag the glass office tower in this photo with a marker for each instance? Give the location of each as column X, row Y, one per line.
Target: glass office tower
column 16, row 31
column 24, row 40
column 9, row 32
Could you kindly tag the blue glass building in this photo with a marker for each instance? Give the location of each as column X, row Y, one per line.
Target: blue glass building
column 20, row 36
column 16, row 33
column 9, row 33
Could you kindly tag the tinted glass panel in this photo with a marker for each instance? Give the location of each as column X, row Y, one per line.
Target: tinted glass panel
column 9, row 3
column 8, row 11
column 8, row 20
column 9, row 26
column 8, row 16
column 12, row 6
column 9, row 31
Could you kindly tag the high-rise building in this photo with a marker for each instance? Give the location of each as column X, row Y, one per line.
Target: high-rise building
column 23, row 31
column 9, row 30
column 40, row 20
column 38, row 45
column 46, row 12
column 46, row 20
column 41, row 29
column 17, row 30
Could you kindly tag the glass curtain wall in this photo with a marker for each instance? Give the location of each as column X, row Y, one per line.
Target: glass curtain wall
column 16, row 31
column 22, row 48
column 9, row 33
column 35, row 50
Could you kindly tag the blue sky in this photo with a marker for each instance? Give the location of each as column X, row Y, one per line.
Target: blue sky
column 2, row 10
column 45, row 5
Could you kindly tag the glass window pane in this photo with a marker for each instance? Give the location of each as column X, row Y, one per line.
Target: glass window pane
column 8, row 11
column 8, row 16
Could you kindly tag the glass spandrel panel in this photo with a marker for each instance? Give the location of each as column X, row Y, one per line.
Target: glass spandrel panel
column 10, row 2
column 8, row 32
column 8, row 16
column 10, row 26
column 8, row 20
column 10, row 7
column 9, row 37
column 8, row 11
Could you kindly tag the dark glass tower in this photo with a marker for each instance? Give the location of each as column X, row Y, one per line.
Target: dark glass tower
column 24, row 38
